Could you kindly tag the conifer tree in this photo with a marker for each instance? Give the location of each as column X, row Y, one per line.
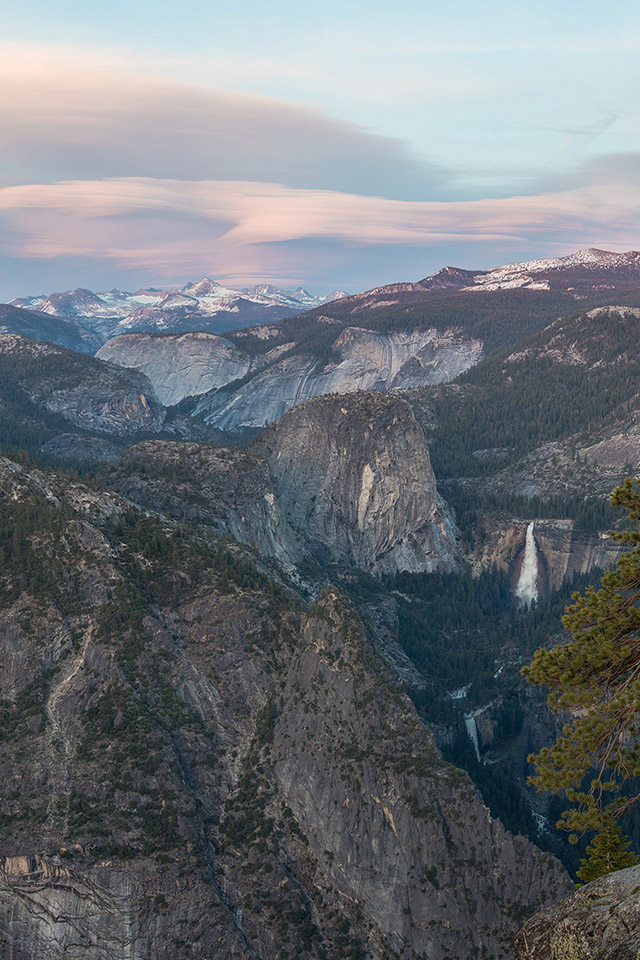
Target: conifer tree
column 596, row 677
column 608, row 851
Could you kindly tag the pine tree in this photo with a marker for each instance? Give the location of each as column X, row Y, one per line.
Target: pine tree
column 596, row 677
column 608, row 851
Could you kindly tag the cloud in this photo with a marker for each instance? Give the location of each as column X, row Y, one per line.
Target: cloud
column 65, row 117
column 589, row 132
column 145, row 223
column 104, row 163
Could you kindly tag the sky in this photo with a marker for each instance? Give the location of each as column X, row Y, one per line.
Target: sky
column 335, row 145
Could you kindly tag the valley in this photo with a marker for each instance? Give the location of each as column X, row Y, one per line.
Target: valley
column 267, row 591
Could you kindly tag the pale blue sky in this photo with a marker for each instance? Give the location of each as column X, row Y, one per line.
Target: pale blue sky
column 410, row 101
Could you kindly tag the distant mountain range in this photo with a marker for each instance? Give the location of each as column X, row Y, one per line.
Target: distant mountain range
column 85, row 319
column 204, row 305
column 585, row 270
column 397, row 337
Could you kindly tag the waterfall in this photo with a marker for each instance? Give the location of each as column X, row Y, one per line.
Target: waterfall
column 527, row 589
column 472, row 730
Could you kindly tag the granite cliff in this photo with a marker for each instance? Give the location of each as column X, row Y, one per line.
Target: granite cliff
column 195, row 764
column 345, row 480
column 562, row 552
column 285, row 373
column 359, row 359
column 354, row 477
column 184, row 365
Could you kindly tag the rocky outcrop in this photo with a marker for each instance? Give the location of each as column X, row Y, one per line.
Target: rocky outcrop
column 196, row 765
column 601, row 921
column 354, row 478
column 77, row 448
column 591, row 466
column 231, row 491
column 360, row 360
column 345, row 480
column 562, row 551
column 86, row 392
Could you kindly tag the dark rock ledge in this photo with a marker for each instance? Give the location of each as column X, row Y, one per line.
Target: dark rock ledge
column 601, row 921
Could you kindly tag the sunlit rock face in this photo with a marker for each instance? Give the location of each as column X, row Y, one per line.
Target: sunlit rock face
column 181, row 366
column 184, row 365
column 354, row 478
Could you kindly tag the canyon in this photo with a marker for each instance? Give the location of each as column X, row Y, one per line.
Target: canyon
column 272, row 784
column 266, row 597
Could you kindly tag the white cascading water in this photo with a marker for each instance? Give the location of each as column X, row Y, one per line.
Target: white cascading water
column 527, row 588
column 472, row 730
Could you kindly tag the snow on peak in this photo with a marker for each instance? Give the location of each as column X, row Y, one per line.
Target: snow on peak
column 204, row 302
column 588, row 262
column 202, row 288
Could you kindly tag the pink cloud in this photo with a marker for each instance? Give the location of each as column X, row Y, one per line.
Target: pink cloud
column 149, row 222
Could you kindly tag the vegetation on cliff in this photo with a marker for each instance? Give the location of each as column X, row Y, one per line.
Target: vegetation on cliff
column 596, row 677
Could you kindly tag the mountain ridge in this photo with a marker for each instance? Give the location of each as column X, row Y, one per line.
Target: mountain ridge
column 204, row 303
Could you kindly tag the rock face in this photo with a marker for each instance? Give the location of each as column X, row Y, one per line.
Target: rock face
column 354, row 478
column 180, row 366
column 85, row 392
column 201, row 364
column 599, row 922
column 562, row 552
column 183, row 365
column 345, row 480
column 360, row 360
column 231, row 491
column 195, row 765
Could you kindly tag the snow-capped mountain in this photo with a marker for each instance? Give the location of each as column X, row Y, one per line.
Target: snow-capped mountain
column 592, row 269
column 205, row 305
column 586, row 271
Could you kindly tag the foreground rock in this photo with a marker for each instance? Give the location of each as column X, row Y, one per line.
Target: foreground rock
column 599, row 922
